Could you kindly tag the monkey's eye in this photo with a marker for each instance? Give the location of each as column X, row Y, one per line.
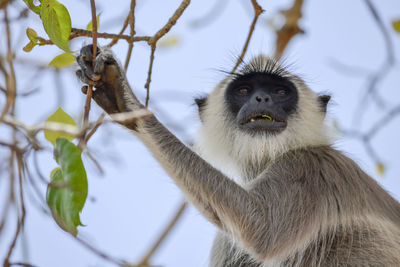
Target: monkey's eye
column 281, row 92
column 243, row 91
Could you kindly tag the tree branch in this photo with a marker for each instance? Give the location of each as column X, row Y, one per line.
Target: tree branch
column 132, row 33
column 90, row 87
column 164, row 234
column 154, row 39
column 290, row 29
column 257, row 12
column 11, row 83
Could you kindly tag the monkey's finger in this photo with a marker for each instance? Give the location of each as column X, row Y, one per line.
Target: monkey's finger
column 87, row 68
column 106, row 57
column 84, row 89
column 87, row 53
column 83, row 78
column 99, row 65
column 102, row 99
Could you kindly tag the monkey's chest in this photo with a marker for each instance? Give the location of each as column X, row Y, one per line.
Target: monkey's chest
column 241, row 260
column 226, row 254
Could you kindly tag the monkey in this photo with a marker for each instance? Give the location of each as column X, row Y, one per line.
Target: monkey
column 264, row 170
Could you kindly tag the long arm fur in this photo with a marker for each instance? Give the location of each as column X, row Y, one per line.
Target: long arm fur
column 221, row 200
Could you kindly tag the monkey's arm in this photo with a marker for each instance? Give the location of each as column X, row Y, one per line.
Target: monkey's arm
column 219, row 198
column 222, row 201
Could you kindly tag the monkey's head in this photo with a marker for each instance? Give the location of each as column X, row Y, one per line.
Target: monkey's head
column 261, row 102
column 259, row 113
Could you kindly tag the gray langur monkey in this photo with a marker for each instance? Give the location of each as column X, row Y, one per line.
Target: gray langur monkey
column 297, row 200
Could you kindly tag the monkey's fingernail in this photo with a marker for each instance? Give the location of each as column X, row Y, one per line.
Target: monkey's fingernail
column 95, row 78
column 86, row 58
column 84, row 89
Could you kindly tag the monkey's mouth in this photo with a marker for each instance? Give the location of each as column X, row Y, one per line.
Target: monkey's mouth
column 264, row 117
column 263, row 121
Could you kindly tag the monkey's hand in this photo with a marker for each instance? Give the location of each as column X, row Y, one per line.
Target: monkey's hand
column 113, row 92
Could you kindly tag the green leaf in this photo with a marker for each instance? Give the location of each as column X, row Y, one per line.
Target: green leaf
column 32, row 7
column 61, row 117
column 62, row 61
column 32, row 35
column 29, row 46
column 89, row 27
column 396, row 25
column 33, row 40
column 56, row 22
column 67, row 192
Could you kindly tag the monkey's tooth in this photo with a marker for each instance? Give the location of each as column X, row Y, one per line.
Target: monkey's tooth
column 267, row 117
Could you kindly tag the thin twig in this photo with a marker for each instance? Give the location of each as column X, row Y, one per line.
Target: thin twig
column 9, row 202
column 124, row 26
column 380, row 74
column 154, row 39
column 128, row 38
column 167, row 230
column 171, row 22
column 13, row 146
column 367, row 137
column 22, row 264
column 96, row 127
column 217, row 9
column 37, row 169
column 95, row 162
column 385, row 33
column 392, row 114
column 23, row 94
column 10, row 108
column 32, row 130
column 371, row 93
column 4, row 3
column 11, row 83
column 21, row 220
column 257, row 12
column 100, row 253
column 41, row 202
column 348, row 70
column 371, row 151
column 90, row 87
column 148, row 81
column 132, row 33
column 75, row 33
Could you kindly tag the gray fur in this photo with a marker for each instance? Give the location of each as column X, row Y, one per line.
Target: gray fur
column 297, row 201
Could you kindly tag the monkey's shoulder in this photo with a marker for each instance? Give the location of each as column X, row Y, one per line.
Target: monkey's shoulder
column 323, row 168
column 328, row 176
column 315, row 162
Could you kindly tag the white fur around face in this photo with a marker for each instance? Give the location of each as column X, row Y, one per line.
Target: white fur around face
column 230, row 149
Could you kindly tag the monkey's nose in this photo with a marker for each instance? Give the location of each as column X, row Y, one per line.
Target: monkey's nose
column 261, row 98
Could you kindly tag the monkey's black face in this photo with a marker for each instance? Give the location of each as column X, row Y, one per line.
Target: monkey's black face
column 261, row 102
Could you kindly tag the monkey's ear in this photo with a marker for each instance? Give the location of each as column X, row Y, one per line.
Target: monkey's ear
column 323, row 101
column 201, row 103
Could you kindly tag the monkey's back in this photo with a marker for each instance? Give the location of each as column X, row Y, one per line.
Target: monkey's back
column 344, row 218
